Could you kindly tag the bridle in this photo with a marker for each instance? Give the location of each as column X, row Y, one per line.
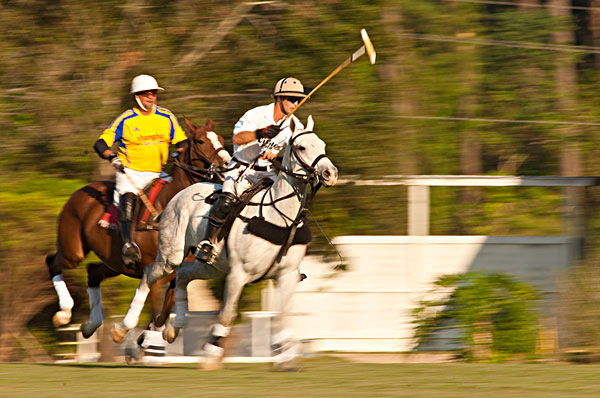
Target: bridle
column 195, row 174
column 312, row 176
column 310, row 181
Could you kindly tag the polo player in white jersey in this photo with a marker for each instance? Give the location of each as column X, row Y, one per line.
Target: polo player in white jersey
column 258, row 137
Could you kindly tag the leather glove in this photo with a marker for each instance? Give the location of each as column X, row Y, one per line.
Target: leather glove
column 117, row 163
column 268, row 132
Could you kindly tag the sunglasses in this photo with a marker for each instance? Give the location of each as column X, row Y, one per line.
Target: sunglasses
column 293, row 99
column 149, row 92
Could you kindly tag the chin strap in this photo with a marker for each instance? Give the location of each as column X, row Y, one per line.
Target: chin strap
column 137, row 99
column 280, row 102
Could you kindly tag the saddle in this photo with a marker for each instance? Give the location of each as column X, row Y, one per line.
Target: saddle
column 258, row 226
column 145, row 221
column 244, row 199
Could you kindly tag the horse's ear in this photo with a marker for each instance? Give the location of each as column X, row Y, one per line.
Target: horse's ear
column 210, row 125
column 190, row 125
column 310, row 124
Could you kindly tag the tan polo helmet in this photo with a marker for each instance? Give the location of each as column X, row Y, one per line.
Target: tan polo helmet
column 289, row 86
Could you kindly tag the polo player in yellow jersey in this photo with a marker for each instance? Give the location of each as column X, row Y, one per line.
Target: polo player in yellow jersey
column 143, row 134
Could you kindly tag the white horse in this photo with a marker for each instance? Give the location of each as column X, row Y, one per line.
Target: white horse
column 249, row 257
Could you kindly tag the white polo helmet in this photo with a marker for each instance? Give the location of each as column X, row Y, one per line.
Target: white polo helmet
column 144, row 83
column 289, row 86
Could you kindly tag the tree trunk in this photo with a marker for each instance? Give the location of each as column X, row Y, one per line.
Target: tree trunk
column 469, row 79
column 566, row 96
column 398, row 73
column 594, row 26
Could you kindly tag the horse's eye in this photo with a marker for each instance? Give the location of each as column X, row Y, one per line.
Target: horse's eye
column 300, row 148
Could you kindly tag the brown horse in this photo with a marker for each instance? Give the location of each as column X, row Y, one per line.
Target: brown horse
column 79, row 231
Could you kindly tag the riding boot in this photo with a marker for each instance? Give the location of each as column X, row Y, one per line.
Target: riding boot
column 130, row 252
column 207, row 249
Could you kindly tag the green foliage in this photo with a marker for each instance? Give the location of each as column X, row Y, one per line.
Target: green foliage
column 579, row 296
column 491, row 310
column 53, row 108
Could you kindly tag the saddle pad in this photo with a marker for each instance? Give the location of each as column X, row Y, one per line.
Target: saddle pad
column 276, row 234
column 109, row 219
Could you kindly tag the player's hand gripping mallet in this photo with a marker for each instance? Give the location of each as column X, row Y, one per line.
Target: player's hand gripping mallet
column 366, row 47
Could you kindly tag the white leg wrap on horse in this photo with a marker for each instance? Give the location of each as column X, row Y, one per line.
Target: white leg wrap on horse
column 282, row 336
column 213, row 350
column 181, row 307
column 219, row 330
column 137, row 305
column 65, row 301
column 289, row 352
column 96, row 311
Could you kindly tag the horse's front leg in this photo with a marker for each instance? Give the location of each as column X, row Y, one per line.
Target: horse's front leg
column 119, row 330
column 96, row 274
column 213, row 349
column 284, row 346
column 186, row 272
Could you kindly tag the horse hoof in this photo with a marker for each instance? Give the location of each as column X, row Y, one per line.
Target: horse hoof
column 61, row 318
column 285, row 367
column 170, row 333
column 88, row 329
column 133, row 355
column 119, row 332
column 211, row 363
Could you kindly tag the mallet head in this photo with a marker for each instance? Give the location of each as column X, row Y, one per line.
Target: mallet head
column 368, row 46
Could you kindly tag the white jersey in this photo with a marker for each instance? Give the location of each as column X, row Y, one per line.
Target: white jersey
column 258, row 118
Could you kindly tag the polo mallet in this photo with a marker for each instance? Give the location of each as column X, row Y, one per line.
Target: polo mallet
column 366, row 47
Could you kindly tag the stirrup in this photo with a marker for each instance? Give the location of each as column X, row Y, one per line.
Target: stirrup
column 131, row 253
column 206, row 252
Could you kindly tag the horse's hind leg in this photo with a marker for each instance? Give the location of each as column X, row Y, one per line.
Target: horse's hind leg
column 167, row 305
column 71, row 250
column 65, row 301
column 97, row 272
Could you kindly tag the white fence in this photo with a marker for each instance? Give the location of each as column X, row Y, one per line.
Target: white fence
column 367, row 308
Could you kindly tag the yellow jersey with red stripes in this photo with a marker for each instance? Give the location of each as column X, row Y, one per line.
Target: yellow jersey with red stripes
column 144, row 139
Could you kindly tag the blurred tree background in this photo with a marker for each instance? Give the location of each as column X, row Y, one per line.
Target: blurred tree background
column 460, row 87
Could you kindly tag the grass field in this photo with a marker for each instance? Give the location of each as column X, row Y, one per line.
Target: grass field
column 320, row 377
